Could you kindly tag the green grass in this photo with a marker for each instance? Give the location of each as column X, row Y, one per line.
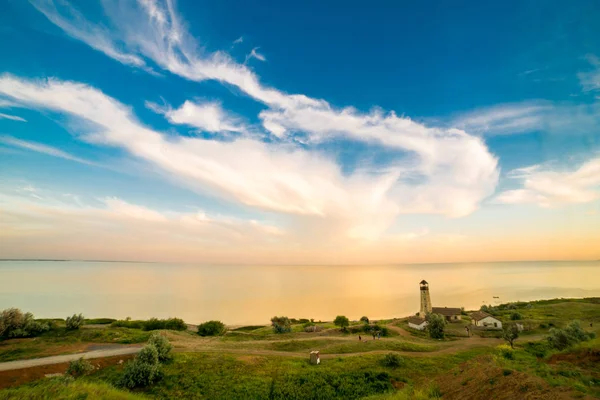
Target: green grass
column 374, row 345
column 248, row 328
column 59, row 388
column 228, row 376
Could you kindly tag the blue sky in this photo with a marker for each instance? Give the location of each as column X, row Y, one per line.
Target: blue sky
column 295, row 132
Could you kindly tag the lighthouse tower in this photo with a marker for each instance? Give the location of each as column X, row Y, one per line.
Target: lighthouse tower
column 425, row 299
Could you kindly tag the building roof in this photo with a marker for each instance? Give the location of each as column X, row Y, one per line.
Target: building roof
column 416, row 320
column 446, row 311
column 423, row 282
column 479, row 315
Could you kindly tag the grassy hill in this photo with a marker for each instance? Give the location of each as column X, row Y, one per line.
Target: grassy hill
column 255, row 363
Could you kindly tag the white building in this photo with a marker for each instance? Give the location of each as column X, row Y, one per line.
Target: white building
column 417, row 323
column 485, row 320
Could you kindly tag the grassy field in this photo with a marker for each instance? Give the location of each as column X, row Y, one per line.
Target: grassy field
column 255, row 363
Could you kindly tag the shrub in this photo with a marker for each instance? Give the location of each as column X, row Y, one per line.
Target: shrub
column 506, row 351
column 516, row 316
column 139, row 374
column 74, row 322
column 176, row 324
column 211, row 328
column 148, row 355
column 312, row 328
column 392, row 360
column 435, row 326
column 560, row 339
column 364, row 319
column 14, row 323
column 79, row 368
column 510, row 333
column 341, row 321
column 162, row 345
column 281, row 324
column 99, row 321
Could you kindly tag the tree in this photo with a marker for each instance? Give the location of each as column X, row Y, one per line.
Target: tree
column 436, row 324
column 510, row 333
column 212, row 328
column 281, row 324
column 364, row 319
column 74, row 322
column 342, row 322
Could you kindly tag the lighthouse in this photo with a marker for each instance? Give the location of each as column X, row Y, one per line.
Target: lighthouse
column 425, row 299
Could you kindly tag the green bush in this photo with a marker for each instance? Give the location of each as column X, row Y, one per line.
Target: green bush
column 176, row 324
column 364, row 319
column 281, row 324
column 561, row 339
column 392, row 360
column 162, row 345
column 212, row 328
column 148, row 355
column 14, row 324
column 341, row 321
column 79, row 368
column 435, row 326
column 516, row 316
column 139, row 374
column 99, row 321
column 74, row 322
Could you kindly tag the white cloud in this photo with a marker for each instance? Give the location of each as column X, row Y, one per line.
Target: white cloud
column 207, row 116
column 96, row 36
column 531, row 116
column 547, row 188
column 455, row 170
column 41, row 148
column 12, row 117
column 239, row 40
column 283, row 178
column 590, row 80
column 255, row 54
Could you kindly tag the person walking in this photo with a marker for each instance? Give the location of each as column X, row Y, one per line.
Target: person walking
column 359, row 338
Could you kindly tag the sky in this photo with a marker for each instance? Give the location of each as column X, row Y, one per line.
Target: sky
column 305, row 133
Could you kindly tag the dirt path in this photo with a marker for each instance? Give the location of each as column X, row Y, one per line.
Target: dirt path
column 36, row 362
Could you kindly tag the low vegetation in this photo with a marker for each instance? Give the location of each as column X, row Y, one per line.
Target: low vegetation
column 212, row 328
column 16, row 324
column 561, row 339
column 176, row 324
column 74, row 322
column 79, row 367
column 144, row 369
column 281, row 324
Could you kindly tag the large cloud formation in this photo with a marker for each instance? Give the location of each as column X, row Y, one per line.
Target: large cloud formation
column 437, row 170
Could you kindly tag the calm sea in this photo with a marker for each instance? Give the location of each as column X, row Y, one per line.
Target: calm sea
column 253, row 294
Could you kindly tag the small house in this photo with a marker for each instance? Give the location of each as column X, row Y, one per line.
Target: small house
column 417, row 323
column 485, row 320
column 450, row 313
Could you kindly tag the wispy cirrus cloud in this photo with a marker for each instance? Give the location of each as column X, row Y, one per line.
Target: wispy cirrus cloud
column 12, row 117
column 531, row 116
column 41, row 148
column 590, row 80
column 548, row 187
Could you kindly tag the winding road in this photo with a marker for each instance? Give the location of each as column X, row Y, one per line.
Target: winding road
column 36, row 362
